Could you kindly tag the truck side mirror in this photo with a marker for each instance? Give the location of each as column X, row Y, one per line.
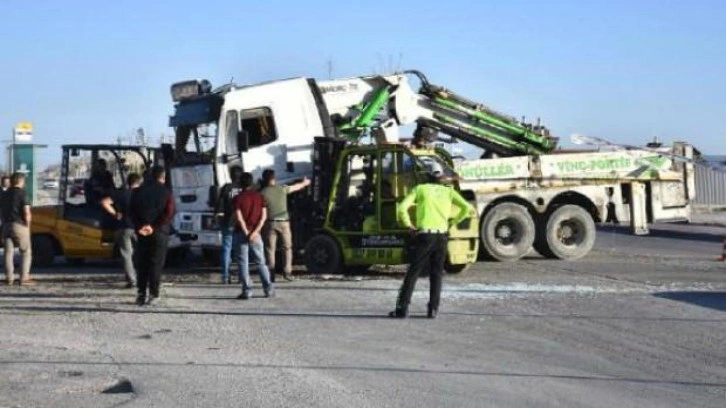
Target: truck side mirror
column 243, row 141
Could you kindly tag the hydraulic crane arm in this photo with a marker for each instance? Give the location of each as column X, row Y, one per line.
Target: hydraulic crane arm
column 389, row 102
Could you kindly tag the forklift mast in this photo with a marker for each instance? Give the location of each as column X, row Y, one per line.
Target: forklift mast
column 311, row 205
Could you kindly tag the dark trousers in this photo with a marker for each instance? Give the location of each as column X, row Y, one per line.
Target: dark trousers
column 150, row 258
column 428, row 253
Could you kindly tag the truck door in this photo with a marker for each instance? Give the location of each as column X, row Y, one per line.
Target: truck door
column 278, row 123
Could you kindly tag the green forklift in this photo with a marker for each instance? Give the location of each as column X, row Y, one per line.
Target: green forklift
column 347, row 220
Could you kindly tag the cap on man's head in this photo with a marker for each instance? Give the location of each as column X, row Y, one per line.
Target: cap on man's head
column 434, row 168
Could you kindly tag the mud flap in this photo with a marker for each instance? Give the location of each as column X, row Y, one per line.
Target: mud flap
column 638, row 209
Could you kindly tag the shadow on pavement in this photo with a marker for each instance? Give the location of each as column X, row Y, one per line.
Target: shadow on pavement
column 668, row 234
column 159, row 309
column 711, row 300
column 387, row 369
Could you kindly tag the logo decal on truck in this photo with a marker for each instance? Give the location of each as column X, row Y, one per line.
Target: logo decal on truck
column 481, row 171
column 656, row 162
column 350, row 87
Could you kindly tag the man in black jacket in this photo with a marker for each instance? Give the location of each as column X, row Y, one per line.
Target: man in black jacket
column 152, row 209
column 225, row 213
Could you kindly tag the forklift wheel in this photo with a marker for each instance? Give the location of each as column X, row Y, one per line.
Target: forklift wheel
column 322, row 256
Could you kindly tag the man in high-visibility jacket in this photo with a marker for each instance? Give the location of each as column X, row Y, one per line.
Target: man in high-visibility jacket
column 434, row 202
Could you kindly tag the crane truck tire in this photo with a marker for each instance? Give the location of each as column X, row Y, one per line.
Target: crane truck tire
column 507, row 232
column 43, row 249
column 568, row 234
column 323, row 256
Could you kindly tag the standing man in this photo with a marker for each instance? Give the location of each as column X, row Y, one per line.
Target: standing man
column 16, row 219
column 117, row 206
column 251, row 215
column 152, row 209
column 4, row 186
column 434, row 202
column 278, row 221
column 227, row 219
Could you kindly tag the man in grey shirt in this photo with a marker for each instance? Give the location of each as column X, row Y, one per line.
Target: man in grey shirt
column 278, row 220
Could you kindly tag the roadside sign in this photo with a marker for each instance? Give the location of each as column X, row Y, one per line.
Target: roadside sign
column 23, row 132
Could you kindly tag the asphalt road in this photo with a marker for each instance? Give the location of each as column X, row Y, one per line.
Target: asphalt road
column 638, row 323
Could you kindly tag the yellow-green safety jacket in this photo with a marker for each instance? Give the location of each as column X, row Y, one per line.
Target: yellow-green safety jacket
column 434, row 204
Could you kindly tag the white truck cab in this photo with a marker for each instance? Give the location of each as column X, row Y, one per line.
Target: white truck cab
column 265, row 126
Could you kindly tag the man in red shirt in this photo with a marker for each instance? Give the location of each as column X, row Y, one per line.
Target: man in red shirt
column 251, row 214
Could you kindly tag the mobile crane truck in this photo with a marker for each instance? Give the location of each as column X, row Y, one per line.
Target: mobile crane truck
column 528, row 193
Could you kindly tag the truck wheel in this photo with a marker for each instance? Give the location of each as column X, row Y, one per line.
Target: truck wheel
column 43, row 249
column 322, row 256
column 570, row 233
column 507, row 232
column 211, row 256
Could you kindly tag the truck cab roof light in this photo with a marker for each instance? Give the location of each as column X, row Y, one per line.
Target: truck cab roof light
column 190, row 89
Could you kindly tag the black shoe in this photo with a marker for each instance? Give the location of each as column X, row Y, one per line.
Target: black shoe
column 398, row 314
column 140, row 300
column 229, row 281
column 432, row 313
column 243, row 296
column 270, row 293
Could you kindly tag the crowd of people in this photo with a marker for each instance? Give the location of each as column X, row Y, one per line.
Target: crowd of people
column 254, row 222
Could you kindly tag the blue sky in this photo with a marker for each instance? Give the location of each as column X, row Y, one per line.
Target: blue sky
column 90, row 71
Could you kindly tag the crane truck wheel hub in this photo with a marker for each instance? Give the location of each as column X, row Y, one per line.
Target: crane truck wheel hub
column 507, row 232
column 569, row 233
